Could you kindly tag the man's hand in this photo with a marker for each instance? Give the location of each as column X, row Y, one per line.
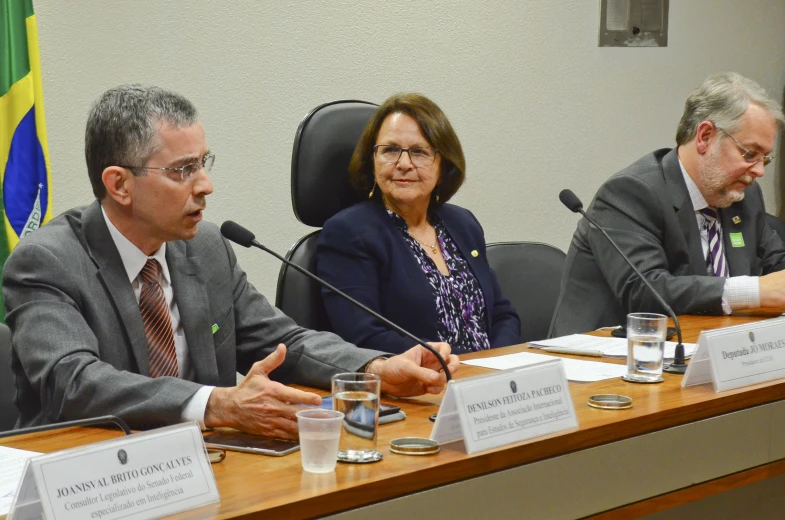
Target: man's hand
column 258, row 405
column 415, row 372
column 772, row 289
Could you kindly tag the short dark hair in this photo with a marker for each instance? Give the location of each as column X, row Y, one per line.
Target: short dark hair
column 436, row 129
column 122, row 128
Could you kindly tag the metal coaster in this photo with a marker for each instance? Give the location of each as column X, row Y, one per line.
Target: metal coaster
column 610, row 401
column 633, row 379
column 414, row 446
column 360, row 457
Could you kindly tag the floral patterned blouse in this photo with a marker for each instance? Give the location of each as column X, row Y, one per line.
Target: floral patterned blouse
column 458, row 297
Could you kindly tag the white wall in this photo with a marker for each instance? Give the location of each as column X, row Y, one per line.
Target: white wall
column 537, row 105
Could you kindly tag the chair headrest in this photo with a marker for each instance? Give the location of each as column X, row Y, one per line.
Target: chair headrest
column 323, row 148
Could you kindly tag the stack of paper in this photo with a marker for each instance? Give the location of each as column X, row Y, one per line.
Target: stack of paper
column 575, row 369
column 585, row 345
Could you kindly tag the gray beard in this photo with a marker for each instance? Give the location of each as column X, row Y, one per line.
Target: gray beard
column 714, row 180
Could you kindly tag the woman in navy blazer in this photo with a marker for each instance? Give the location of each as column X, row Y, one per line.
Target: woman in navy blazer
column 406, row 253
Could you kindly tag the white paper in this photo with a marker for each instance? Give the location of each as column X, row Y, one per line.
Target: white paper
column 586, row 345
column 576, row 369
column 12, row 462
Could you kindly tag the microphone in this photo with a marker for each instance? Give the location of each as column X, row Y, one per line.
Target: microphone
column 242, row 236
column 573, row 203
column 93, row 421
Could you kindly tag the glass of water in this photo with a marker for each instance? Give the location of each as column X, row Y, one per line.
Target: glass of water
column 356, row 394
column 645, row 347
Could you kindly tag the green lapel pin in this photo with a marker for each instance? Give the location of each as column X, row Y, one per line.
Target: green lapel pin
column 736, row 240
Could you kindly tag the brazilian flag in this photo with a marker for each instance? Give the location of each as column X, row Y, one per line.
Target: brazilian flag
column 25, row 172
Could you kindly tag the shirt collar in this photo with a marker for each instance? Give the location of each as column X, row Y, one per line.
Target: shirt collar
column 133, row 258
column 696, row 197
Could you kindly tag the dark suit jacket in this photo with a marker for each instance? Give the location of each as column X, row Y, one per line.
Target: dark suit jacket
column 646, row 209
column 79, row 347
column 362, row 252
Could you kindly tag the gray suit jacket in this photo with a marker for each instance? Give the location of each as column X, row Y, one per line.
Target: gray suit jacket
column 79, row 347
column 646, row 209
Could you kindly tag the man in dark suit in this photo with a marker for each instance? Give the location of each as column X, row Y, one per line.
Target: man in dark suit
column 130, row 306
column 691, row 219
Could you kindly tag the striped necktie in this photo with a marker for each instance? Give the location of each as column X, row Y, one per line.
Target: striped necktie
column 157, row 323
column 718, row 266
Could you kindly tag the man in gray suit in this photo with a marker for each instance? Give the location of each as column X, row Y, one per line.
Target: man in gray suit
column 130, row 306
column 691, row 219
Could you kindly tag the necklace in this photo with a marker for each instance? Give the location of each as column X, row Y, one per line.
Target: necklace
column 433, row 247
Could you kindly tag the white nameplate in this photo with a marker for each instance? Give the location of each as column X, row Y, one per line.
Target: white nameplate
column 505, row 407
column 738, row 356
column 144, row 475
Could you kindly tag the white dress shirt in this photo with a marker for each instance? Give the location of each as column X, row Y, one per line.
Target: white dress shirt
column 133, row 261
column 740, row 292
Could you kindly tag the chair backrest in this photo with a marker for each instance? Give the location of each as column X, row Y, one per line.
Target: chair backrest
column 297, row 295
column 776, row 224
column 323, row 147
column 8, row 411
column 529, row 274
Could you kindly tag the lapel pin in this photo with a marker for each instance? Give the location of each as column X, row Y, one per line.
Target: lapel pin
column 737, row 220
column 475, row 254
column 215, row 328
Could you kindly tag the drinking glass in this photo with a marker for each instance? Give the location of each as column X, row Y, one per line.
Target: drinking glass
column 356, row 394
column 319, row 434
column 645, row 347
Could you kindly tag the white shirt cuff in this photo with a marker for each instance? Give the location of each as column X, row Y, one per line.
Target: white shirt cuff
column 740, row 292
column 195, row 407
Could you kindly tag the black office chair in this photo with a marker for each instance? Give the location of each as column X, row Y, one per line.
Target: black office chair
column 323, row 147
column 776, row 224
column 529, row 274
column 8, row 411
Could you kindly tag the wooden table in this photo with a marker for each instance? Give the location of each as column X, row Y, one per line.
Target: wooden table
column 673, row 446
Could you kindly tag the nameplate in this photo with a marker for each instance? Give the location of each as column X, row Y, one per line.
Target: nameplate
column 144, row 475
column 505, row 407
column 738, row 356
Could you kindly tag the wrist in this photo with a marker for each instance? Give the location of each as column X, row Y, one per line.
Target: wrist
column 375, row 366
column 217, row 413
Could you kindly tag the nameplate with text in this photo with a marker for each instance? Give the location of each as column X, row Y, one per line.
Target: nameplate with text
column 144, row 475
column 738, row 356
column 506, row 407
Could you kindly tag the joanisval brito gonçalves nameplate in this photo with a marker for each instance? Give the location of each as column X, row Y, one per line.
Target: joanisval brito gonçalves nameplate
column 144, row 475
column 506, row 407
column 732, row 357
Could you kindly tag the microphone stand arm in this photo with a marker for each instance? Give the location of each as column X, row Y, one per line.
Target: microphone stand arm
column 373, row 313
column 678, row 366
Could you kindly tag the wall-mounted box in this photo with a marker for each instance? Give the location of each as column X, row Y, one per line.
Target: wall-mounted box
column 633, row 23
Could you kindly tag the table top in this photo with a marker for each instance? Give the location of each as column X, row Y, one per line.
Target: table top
column 254, row 486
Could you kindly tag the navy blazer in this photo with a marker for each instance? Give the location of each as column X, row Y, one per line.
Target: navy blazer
column 362, row 252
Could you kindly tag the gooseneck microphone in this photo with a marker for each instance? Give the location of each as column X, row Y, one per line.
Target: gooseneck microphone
column 574, row 204
column 242, row 236
column 93, row 421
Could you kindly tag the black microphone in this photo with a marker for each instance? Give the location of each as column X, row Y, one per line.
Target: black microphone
column 93, row 421
column 573, row 203
column 242, row 236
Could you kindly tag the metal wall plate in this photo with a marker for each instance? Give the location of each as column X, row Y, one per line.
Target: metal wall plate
column 633, row 23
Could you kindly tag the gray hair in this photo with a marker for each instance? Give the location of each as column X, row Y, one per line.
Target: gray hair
column 723, row 98
column 122, row 128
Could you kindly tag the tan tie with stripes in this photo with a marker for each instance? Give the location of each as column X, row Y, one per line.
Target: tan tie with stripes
column 157, row 323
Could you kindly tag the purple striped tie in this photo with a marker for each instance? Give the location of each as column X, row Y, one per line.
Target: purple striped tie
column 157, row 323
column 718, row 265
